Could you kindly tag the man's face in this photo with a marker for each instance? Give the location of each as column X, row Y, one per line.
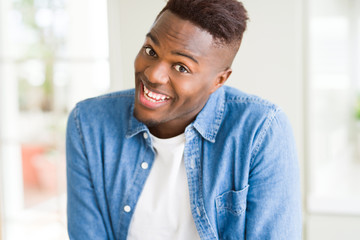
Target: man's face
column 176, row 70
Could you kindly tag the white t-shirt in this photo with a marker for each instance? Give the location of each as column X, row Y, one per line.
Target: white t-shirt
column 163, row 209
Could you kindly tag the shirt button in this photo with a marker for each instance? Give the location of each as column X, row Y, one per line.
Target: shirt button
column 127, row 208
column 144, row 165
column 145, row 135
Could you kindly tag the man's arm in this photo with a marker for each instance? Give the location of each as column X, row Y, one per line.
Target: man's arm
column 274, row 199
column 85, row 220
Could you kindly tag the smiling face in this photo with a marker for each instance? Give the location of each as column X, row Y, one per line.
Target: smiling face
column 176, row 70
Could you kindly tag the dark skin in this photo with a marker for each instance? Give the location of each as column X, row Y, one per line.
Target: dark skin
column 177, row 69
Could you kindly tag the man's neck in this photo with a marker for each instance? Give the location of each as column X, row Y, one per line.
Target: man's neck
column 169, row 130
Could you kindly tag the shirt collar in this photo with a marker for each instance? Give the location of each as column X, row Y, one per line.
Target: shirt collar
column 134, row 125
column 207, row 122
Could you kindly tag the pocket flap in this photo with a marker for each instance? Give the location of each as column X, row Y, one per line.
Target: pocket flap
column 232, row 201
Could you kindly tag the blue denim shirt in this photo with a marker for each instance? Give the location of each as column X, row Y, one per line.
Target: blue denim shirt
column 240, row 160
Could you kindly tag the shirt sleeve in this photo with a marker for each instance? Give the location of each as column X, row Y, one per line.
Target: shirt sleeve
column 85, row 220
column 274, row 199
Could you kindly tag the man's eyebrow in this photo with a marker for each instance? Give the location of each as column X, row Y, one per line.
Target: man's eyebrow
column 156, row 41
column 153, row 38
column 185, row 55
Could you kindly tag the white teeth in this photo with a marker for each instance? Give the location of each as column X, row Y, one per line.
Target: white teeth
column 154, row 97
column 149, row 99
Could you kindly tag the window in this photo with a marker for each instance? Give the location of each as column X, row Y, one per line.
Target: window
column 334, row 106
column 53, row 54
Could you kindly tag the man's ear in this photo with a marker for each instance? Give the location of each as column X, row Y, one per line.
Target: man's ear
column 221, row 79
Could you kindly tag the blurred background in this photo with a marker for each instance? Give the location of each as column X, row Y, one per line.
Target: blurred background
column 302, row 55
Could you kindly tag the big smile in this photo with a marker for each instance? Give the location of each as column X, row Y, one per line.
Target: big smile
column 154, row 97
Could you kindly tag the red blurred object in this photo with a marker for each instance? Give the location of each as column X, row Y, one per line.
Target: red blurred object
column 39, row 173
column 30, row 173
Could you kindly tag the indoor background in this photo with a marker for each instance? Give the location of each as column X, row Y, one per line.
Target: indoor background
column 302, row 55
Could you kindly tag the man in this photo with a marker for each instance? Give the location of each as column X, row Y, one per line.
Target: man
column 182, row 156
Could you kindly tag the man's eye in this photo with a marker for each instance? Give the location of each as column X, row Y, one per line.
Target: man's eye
column 149, row 51
column 181, row 68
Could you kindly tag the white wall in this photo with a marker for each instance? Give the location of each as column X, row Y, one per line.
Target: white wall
column 1, row 180
column 129, row 22
column 333, row 195
column 10, row 154
column 332, row 227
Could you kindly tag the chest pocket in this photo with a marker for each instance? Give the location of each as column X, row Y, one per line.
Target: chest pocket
column 230, row 210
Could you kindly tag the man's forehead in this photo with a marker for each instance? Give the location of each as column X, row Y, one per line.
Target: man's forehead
column 183, row 36
column 175, row 27
column 171, row 30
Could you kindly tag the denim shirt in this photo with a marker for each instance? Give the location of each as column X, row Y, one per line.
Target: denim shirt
column 240, row 160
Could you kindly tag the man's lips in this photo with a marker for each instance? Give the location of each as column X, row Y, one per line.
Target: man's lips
column 152, row 96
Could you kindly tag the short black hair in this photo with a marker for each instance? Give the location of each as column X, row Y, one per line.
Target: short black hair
column 225, row 20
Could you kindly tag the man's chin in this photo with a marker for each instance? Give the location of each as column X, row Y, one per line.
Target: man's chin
column 148, row 122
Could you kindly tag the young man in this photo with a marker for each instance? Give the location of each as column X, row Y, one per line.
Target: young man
column 182, row 156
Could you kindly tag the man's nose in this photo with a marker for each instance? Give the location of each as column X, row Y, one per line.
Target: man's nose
column 157, row 73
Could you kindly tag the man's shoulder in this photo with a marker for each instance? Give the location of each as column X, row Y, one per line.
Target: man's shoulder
column 235, row 112
column 119, row 96
column 114, row 104
column 250, row 116
column 113, row 99
column 236, row 99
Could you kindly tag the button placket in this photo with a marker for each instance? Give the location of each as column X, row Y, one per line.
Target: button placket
column 145, row 155
column 193, row 155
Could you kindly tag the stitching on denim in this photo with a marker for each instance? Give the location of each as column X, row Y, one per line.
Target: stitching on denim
column 114, row 96
column 227, row 192
column 236, row 209
column 201, row 190
column 218, row 118
column 210, row 132
column 262, row 134
column 251, row 99
column 120, row 94
column 107, row 97
column 221, row 205
column 78, row 127
column 132, row 132
column 195, row 142
column 237, row 213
